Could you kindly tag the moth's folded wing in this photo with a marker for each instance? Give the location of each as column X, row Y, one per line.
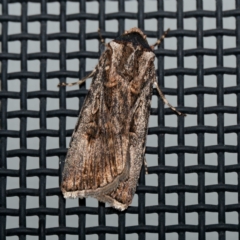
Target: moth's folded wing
column 97, row 159
column 121, row 197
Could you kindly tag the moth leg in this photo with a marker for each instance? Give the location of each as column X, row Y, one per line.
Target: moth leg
column 160, row 39
column 145, row 166
column 100, row 36
column 166, row 101
column 81, row 81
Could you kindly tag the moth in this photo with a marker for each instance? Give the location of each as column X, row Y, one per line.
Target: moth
column 107, row 147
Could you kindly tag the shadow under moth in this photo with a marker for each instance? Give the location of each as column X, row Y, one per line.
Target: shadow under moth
column 107, row 148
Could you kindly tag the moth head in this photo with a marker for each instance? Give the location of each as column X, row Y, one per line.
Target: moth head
column 136, row 37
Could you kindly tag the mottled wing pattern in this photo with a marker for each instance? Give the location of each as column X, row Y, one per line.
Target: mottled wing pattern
column 97, row 158
column 122, row 197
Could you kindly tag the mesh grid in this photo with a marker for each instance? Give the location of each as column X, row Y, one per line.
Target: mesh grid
column 30, row 150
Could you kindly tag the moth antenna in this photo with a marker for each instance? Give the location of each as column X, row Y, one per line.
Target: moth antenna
column 160, row 39
column 81, row 81
column 166, row 101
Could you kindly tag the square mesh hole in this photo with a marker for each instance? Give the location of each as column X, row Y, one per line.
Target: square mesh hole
column 230, row 139
column 211, row 159
column 53, row 123
column 13, row 105
column 209, row 23
column 228, row 5
column 170, row 6
column 210, row 139
column 151, row 180
column 13, row 163
column 32, row 222
column 192, row 218
column 12, row 222
column 231, row 158
column 151, row 199
column 33, row 46
column 231, row 198
column 53, row 8
column 170, row 23
column 32, row 202
column 211, row 236
column 229, row 23
column 210, row 120
column 132, row 6
column 13, row 202
column 34, row 65
column 190, row 62
column 190, row 159
column 12, row 183
column 191, row 140
column 211, row 198
column 52, row 182
column 13, row 144
column 129, row 23
column 211, row 178
column 14, row 47
column 92, row 26
column 72, row 221
column 112, row 220
column 52, row 142
column 73, row 26
column 171, row 219
column 72, row 7
column 231, row 217
column 13, row 66
column 171, row 199
column 34, row 27
column 14, row 9
column 33, row 182
column 150, row 24
column 230, row 119
column 33, row 143
column 171, row 179
column 53, row 27
column 52, row 104
column 13, row 124
column 191, row 179
column 14, row 28
column 191, row 198
column 172, row 236
column 189, row 23
column 211, row 218
column 230, row 100
column 112, row 26
column 33, row 104
column 209, row 42
column 34, row 8
column 51, row 221
column 131, row 219
column 229, row 42
column 189, row 5
column 52, row 202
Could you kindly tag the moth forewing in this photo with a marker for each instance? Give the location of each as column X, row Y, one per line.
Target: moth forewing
column 106, row 151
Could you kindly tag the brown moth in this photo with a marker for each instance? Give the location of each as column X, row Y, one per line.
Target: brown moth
column 108, row 144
